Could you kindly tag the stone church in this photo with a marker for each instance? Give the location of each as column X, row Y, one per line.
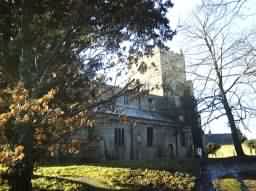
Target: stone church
column 147, row 127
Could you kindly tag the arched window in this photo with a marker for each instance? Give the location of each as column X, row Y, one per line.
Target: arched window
column 119, row 136
column 183, row 139
column 150, row 136
column 125, row 99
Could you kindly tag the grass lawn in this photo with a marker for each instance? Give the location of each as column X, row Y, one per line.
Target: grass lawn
column 229, row 151
column 112, row 178
column 44, row 184
column 231, row 184
column 190, row 166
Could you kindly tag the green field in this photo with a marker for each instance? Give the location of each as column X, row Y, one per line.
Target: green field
column 104, row 177
column 229, row 151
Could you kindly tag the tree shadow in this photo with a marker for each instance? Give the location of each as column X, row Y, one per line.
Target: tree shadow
column 243, row 185
column 239, row 179
column 83, row 186
column 89, row 187
column 248, row 175
column 190, row 166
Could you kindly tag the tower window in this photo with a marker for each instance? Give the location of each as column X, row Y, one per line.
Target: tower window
column 119, row 136
column 150, row 135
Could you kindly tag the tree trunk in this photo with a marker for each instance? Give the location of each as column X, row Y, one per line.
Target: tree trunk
column 231, row 121
column 228, row 110
column 26, row 62
column 21, row 171
column 229, row 114
column 236, row 140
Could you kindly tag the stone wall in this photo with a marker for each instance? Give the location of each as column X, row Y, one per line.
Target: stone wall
column 98, row 143
column 135, row 141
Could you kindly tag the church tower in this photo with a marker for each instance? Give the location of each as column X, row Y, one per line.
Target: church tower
column 163, row 75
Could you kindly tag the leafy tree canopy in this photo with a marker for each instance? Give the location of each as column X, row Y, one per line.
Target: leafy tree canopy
column 50, row 52
column 43, row 41
column 38, row 37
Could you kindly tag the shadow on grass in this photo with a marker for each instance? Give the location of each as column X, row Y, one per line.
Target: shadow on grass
column 81, row 185
column 230, row 183
column 87, row 187
column 191, row 166
column 244, row 181
column 248, row 180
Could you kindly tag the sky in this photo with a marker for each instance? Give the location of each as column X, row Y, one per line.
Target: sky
column 182, row 13
column 178, row 15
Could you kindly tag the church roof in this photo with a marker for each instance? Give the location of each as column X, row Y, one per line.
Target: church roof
column 137, row 113
column 133, row 112
column 222, row 139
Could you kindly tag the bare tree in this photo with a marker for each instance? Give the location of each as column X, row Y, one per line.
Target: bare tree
column 222, row 63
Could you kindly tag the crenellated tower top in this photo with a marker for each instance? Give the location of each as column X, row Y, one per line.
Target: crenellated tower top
column 164, row 75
